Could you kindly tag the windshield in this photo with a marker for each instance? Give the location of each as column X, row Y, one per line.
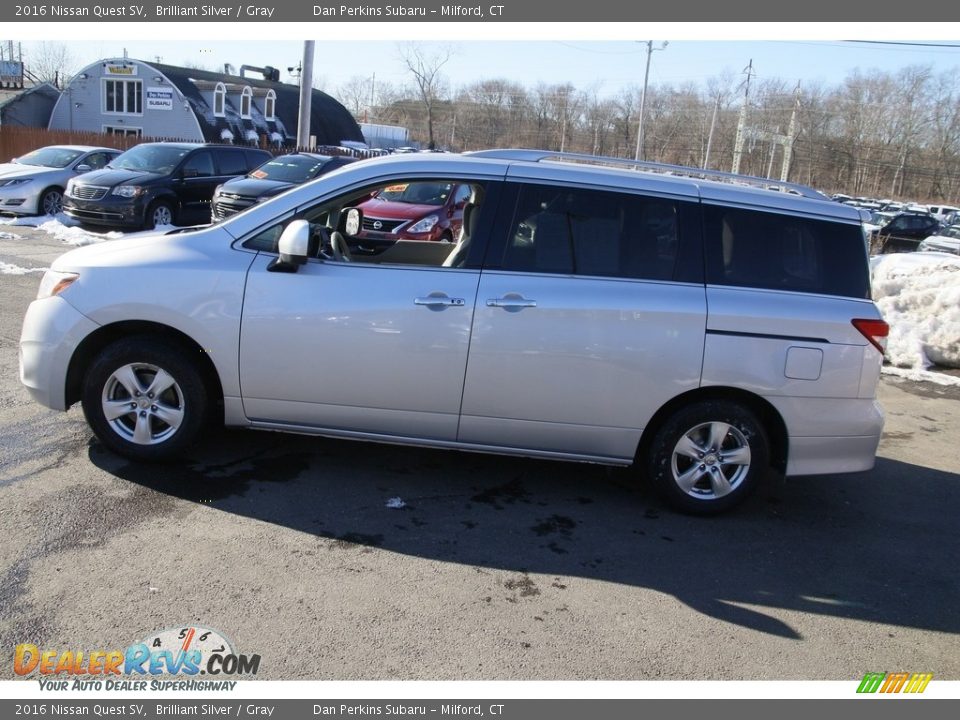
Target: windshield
column 418, row 193
column 55, row 157
column 952, row 232
column 291, row 169
column 161, row 159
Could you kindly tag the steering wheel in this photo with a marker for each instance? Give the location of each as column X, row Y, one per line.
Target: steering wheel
column 339, row 247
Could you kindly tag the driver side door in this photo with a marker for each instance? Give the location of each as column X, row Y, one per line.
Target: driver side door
column 362, row 348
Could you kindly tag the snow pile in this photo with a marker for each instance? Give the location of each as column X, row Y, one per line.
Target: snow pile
column 919, row 296
column 73, row 235
column 226, row 135
column 8, row 269
column 251, row 136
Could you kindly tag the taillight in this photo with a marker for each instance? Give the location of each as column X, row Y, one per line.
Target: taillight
column 875, row 331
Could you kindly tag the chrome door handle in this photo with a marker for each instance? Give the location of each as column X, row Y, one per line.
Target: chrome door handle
column 511, row 301
column 439, row 300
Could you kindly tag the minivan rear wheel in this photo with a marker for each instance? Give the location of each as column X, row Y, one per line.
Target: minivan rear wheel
column 144, row 399
column 708, row 457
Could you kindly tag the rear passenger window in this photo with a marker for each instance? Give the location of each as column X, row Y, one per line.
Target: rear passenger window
column 232, row 162
column 749, row 248
column 592, row 232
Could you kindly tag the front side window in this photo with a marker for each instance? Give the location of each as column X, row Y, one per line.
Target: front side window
column 593, row 232
column 452, row 244
column 200, row 165
column 123, row 97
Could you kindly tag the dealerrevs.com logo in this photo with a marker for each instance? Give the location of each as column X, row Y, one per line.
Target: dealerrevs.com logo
column 168, row 660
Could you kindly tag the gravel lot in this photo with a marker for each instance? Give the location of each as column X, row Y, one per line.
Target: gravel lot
column 495, row 568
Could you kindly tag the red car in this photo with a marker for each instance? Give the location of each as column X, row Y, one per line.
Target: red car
column 427, row 210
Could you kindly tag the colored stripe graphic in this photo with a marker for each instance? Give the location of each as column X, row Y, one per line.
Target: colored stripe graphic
column 918, row 682
column 894, row 682
column 871, row 682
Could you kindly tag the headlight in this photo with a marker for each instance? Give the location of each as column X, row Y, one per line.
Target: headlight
column 15, row 181
column 425, row 225
column 127, row 191
column 216, row 191
column 69, row 188
column 54, row 283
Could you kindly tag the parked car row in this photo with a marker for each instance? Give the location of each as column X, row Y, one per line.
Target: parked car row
column 152, row 184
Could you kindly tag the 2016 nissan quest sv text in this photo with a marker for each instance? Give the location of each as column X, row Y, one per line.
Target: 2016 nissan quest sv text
column 703, row 329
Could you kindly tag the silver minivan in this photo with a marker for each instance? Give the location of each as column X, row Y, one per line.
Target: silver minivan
column 704, row 327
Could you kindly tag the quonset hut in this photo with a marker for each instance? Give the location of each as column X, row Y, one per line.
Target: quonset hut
column 133, row 97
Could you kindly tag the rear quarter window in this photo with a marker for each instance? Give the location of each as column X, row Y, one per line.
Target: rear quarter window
column 758, row 249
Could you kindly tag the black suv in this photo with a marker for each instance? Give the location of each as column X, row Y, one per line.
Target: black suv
column 158, row 184
column 904, row 232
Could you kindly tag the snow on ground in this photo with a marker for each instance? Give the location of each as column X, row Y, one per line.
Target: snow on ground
column 8, row 269
column 69, row 232
column 919, row 296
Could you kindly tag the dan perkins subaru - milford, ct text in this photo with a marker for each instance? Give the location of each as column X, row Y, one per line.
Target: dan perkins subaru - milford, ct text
column 364, row 11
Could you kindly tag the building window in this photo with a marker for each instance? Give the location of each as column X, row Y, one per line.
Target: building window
column 220, row 100
column 122, row 131
column 270, row 105
column 246, row 101
column 123, row 97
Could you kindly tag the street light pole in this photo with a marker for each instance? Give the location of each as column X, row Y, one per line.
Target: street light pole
column 643, row 97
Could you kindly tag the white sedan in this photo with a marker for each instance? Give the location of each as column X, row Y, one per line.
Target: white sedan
column 33, row 184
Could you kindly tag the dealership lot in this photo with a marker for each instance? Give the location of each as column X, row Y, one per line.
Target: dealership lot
column 485, row 568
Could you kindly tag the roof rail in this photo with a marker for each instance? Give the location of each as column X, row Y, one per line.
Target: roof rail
column 643, row 165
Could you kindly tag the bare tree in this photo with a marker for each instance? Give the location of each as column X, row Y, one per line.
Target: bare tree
column 355, row 94
column 50, row 62
column 425, row 65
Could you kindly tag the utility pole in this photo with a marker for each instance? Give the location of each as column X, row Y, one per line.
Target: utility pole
column 791, row 134
column 643, row 97
column 306, row 95
column 373, row 85
column 713, row 124
column 742, row 122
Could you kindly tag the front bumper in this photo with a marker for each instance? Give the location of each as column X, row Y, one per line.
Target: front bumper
column 52, row 331
column 20, row 199
column 111, row 211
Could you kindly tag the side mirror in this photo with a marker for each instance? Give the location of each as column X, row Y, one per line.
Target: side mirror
column 293, row 247
column 353, row 222
column 83, row 168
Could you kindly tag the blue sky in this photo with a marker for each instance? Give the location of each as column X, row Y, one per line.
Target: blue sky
column 607, row 66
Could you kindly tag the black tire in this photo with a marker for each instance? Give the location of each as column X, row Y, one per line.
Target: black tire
column 50, row 202
column 157, row 212
column 155, row 428
column 687, row 469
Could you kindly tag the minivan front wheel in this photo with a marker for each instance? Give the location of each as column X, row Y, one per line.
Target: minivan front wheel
column 160, row 213
column 708, row 457
column 144, row 400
